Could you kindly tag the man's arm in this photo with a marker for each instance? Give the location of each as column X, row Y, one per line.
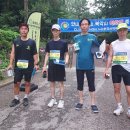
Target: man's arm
column 45, row 62
column 12, row 55
column 66, row 57
column 35, row 57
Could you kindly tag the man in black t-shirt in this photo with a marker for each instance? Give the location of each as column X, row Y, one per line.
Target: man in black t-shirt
column 56, row 53
column 24, row 53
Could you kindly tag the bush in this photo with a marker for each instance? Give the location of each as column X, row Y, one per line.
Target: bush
column 6, row 37
column 1, row 76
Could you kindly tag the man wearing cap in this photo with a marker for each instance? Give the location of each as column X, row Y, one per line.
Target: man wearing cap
column 119, row 56
column 56, row 50
column 24, row 53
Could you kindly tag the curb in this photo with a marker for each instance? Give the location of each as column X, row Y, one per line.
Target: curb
column 9, row 80
column 6, row 82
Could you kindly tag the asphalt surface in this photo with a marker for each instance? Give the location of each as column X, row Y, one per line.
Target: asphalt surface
column 37, row 116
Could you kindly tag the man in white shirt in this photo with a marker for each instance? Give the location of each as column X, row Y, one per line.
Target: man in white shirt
column 119, row 56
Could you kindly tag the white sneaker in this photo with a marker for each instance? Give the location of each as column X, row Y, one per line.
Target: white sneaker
column 118, row 111
column 128, row 113
column 52, row 102
column 61, row 104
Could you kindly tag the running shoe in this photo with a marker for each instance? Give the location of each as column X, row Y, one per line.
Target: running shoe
column 61, row 104
column 52, row 102
column 25, row 102
column 78, row 106
column 118, row 110
column 128, row 113
column 94, row 109
column 14, row 102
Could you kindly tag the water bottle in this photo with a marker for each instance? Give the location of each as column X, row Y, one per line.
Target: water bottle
column 76, row 47
column 44, row 74
column 34, row 71
column 10, row 72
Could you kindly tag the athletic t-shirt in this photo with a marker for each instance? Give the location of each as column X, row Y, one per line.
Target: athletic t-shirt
column 24, row 52
column 121, row 53
column 56, row 49
column 84, row 58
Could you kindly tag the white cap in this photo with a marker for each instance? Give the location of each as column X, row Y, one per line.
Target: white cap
column 56, row 26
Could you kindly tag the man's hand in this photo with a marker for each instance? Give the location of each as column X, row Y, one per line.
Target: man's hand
column 66, row 62
column 36, row 67
column 44, row 69
column 106, row 74
column 10, row 67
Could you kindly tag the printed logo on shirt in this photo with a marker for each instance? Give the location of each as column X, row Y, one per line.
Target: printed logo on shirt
column 28, row 48
column 89, row 39
column 120, row 58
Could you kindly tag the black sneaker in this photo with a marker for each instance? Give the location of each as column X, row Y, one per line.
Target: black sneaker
column 25, row 102
column 78, row 106
column 94, row 108
column 14, row 102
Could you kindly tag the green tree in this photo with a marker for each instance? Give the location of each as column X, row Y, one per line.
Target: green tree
column 50, row 14
column 113, row 8
column 10, row 12
column 77, row 9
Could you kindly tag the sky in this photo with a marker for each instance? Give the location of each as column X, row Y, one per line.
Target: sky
column 92, row 8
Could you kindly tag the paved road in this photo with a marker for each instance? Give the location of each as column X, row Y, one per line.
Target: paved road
column 37, row 116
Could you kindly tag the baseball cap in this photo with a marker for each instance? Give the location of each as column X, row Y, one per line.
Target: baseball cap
column 122, row 25
column 56, row 26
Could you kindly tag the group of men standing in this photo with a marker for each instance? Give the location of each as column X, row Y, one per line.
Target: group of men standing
column 24, row 53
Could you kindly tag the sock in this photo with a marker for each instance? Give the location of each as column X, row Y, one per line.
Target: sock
column 26, row 96
column 119, row 104
column 16, row 97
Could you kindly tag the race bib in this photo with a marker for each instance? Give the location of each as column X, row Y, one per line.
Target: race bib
column 120, row 58
column 54, row 54
column 22, row 64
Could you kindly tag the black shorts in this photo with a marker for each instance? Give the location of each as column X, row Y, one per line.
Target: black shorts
column 20, row 73
column 56, row 73
column 90, row 74
column 118, row 72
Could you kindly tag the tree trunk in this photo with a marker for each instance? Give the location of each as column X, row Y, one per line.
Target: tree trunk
column 26, row 9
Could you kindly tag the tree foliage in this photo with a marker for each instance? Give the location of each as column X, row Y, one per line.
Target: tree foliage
column 6, row 38
column 77, row 9
column 113, row 8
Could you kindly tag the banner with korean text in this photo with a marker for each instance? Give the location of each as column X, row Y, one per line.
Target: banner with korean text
column 97, row 25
